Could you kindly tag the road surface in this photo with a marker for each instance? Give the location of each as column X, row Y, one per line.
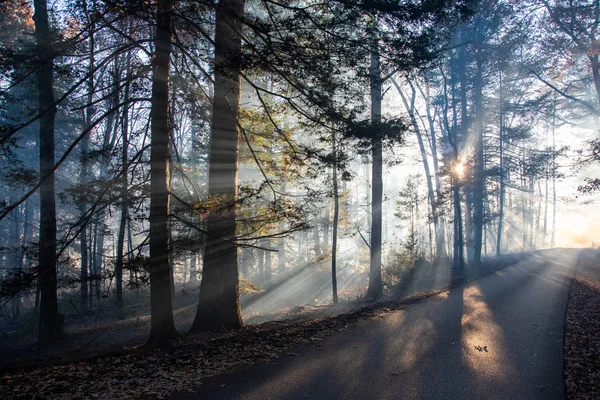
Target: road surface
column 499, row 337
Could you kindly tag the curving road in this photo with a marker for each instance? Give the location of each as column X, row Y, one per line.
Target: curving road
column 499, row 337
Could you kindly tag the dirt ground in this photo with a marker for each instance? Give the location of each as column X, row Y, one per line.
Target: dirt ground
column 582, row 330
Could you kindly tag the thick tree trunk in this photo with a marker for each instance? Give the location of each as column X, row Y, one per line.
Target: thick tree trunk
column 162, row 327
column 49, row 327
column 219, row 304
column 375, row 284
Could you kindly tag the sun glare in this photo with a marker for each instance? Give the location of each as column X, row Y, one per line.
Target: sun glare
column 459, row 170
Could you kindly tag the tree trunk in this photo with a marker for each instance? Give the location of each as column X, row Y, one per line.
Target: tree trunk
column 124, row 195
column 479, row 176
column 162, row 327
column 410, row 108
column 316, row 240
column 375, row 284
column 268, row 260
column 336, row 212
column 219, row 304
column 442, row 251
column 502, row 177
column 83, row 176
column 49, row 327
column 458, row 264
column 553, row 236
column 281, row 254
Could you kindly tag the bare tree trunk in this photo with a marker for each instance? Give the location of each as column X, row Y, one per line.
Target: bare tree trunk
column 281, row 254
column 261, row 264
column 336, row 213
column 410, row 108
column 162, row 327
column 502, row 188
column 316, row 240
column 83, row 177
column 375, row 284
column 326, row 227
column 49, row 327
column 124, row 193
column 219, row 304
column 479, row 187
column 16, row 256
column 268, row 259
column 553, row 237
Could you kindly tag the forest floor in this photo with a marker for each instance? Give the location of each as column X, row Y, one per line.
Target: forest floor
column 103, row 360
column 582, row 330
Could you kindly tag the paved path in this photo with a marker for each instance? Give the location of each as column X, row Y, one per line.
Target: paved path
column 499, row 337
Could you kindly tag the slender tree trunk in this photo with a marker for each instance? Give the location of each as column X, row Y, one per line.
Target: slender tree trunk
column 442, row 252
column 124, row 194
column 268, row 259
column 375, row 285
column 459, row 257
column 23, row 253
column 326, row 227
column 553, row 237
column 281, row 254
column 219, row 304
column 193, row 269
column 162, row 327
column 83, row 177
column 545, row 226
column 410, row 108
column 49, row 327
column 479, row 186
column 16, row 256
column 316, row 240
column 502, row 175
column 261, row 264
column 336, row 213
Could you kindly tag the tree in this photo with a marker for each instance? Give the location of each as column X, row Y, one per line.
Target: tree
column 219, row 305
column 162, row 324
column 49, row 328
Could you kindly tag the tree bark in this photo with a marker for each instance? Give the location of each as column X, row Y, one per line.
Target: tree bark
column 502, row 186
column 49, row 328
column 281, row 254
column 375, row 285
column 219, row 303
column 124, row 195
column 479, row 175
column 336, row 213
column 162, row 327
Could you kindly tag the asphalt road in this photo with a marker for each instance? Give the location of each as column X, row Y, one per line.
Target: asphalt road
column 499, row 337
